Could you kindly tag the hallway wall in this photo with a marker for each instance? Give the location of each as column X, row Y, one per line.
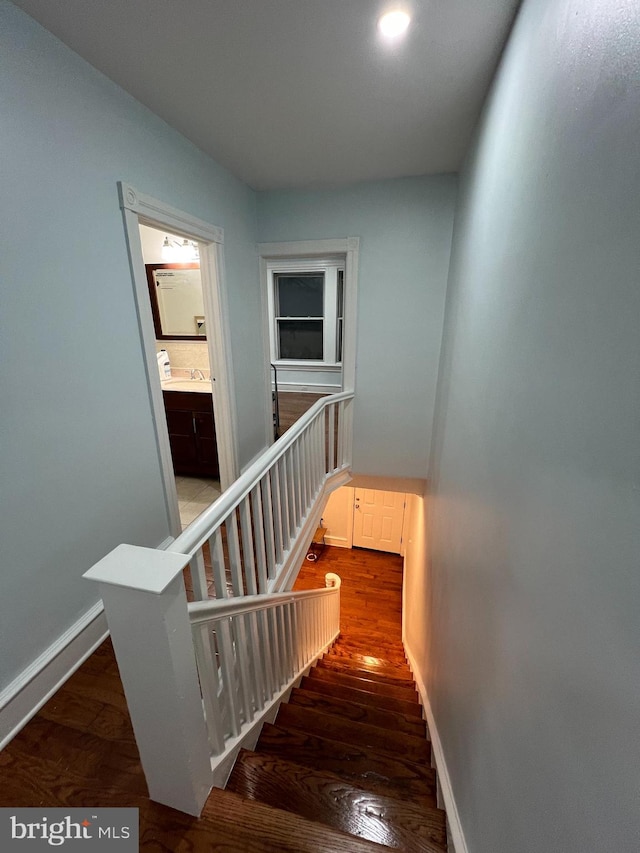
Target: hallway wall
column 534, row 672
column 78, row 463
column 405, row 229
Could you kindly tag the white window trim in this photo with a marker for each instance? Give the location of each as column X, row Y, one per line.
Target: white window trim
column 348, row 248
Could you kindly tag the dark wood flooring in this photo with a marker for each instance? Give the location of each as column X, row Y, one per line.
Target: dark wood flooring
column 79, row 750
column 293, row 405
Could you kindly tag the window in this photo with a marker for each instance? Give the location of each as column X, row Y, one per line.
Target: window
column 306, row 300
column 299, row 299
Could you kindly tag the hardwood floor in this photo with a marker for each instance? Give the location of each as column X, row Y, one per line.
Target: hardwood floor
column 292, row 405
column 364, row 772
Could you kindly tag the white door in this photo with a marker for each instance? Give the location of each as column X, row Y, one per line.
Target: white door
column 377, row 519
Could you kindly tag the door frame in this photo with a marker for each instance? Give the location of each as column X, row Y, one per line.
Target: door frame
column 138, row 208
column 349, row 247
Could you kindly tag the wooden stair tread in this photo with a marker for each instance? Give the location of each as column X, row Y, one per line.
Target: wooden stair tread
column 383, row 676
column 313, row 720
column 325, row 796
column 249, row 826
column 408, row 692
column 357, row 712
column 365, row 768
column 364, row 661
column 344, row 691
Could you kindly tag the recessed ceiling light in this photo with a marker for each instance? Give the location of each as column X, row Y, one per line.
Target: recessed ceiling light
column 393, row 23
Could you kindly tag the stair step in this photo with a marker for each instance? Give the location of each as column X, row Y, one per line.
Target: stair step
column 237, row 825
column 358, row 712
column 322, row 796
column 407, row 693
column 362, row 697
column 345, row 731
column 384, row 774
column 363, row 661
column 370, row 639
column 389, row 649
column 385, row 676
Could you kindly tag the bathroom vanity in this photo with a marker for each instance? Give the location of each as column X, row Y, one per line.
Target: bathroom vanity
column 192, row 432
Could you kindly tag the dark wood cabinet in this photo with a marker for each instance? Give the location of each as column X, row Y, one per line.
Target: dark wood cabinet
column 192, row 432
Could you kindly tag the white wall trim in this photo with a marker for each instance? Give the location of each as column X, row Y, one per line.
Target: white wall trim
column 152, row 212
column 307, row 388
column 456, row 840
column 136, row 208
column 349, row 247
column 27, row 693
column 22, row 698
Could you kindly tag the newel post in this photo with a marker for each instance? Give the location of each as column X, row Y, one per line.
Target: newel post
column 146, row 608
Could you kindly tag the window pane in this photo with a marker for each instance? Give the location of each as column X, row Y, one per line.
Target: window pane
column 340, row 300
column 300, row 295
column 339, row 342
column 300, row 339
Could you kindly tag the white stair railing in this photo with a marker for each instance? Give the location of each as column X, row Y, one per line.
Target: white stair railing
column 257, row 530
column 250, row 650
column 200, row 678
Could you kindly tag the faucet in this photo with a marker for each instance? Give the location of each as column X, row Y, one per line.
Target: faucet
column 195, row 370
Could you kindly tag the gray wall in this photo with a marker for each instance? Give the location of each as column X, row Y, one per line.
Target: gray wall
column 405, row 228
column 78, row 464
column 535, row 631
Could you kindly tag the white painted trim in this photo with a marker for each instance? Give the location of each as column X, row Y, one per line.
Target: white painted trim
column 337, row 541
column 291, row 566
column 138, row 207
column 36, row 684
column 307, row 388
column 350, row 248
column 456, row 840
column 153, row 212
column 308, row 367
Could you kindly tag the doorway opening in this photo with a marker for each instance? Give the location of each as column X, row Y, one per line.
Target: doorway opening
column 182, row 315
column 174, row 279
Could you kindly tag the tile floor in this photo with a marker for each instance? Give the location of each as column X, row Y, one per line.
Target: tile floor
column 195, row 494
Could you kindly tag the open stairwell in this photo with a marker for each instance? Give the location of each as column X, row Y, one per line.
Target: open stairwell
column 347, row 761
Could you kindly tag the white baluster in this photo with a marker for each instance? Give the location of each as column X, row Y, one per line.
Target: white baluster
column 276, row 506
column 284, row 497
column 332, row 441
column 298, row 473
column 224, row 636
column 269, row 525
column 198, row 574
column 259, row 535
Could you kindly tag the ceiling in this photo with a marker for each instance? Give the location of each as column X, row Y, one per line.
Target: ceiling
column 298, row 93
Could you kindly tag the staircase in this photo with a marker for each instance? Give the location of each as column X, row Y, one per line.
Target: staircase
column 346, row 766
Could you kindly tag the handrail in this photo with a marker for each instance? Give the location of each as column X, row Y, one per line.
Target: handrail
column 202, row 612
column 197, row 533
column 200, row 678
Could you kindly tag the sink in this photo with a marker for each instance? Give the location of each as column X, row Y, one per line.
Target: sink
column 202, row 386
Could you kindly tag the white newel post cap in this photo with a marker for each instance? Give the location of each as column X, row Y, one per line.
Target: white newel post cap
column 135, row 567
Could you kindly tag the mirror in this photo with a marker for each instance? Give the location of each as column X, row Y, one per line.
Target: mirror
column 176, row 301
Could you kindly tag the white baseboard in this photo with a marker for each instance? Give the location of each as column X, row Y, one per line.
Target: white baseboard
column 25, row 695
column 308, row 388
column 337, row 541
column 456, row 840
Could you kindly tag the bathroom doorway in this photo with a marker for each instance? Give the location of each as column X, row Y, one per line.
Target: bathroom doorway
column 172, row 266
column 150, row 227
